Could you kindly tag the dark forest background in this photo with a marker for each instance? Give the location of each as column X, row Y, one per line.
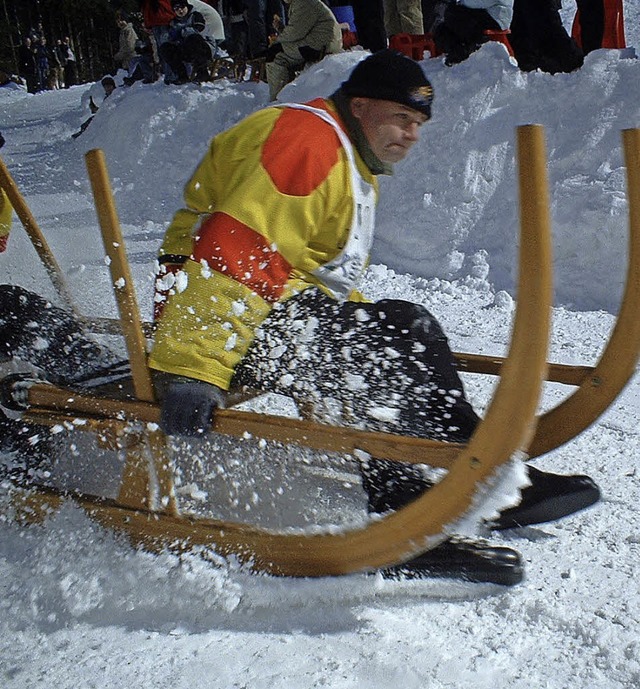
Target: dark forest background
column 90, row 24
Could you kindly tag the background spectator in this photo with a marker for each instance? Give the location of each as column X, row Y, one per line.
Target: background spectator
column 157, row 15
column 55, row 79
column 141, row 67
column 126, row 41
column 311, row 32
column 188, row 44
column 27, row 65
column 403, row 16
column 259, row 15
column 70, row 66
column 458, row 28
column 61, row 56
column 591, row 21
column 368, row 16
column 539, row 39
column 42, row 63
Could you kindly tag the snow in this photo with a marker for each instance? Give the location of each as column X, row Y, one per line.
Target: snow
column 81, row 608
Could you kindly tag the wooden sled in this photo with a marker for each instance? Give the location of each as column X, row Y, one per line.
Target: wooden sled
column 146, row 510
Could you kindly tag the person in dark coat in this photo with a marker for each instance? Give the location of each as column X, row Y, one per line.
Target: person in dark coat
column 27, row 68
column 591, row 24
column 42, row 63
column 187, row 44
column 368, row 16
column 539, row 39
column 70, row 65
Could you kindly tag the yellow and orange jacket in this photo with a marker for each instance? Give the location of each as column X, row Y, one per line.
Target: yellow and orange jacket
column 270, row 204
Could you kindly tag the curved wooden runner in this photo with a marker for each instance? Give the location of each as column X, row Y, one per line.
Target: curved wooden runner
column 619, row 359
column 597, row 386
column 507, row 428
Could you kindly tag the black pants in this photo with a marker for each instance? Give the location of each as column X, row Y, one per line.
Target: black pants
column 48, row 337
column 193, row 49
column 539, row 39
column 385, row 366
column 368, row 16
column 462, row 31
column 591, row 24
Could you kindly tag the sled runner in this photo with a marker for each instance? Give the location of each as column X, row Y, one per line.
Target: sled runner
column 146, row 509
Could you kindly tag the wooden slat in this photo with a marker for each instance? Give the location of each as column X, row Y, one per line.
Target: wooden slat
column 566, row 374
column 37, row 238
column 138, row 487
column 53, row 405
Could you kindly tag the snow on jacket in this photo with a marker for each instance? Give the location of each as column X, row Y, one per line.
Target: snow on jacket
column 269, row 206
column 500, row 10
column 311, row 23
column 126, row 45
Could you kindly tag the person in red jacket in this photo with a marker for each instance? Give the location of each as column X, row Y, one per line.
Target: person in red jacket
column 157, row 16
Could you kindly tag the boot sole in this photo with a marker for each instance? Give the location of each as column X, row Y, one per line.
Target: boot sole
column 548, row 510
column 507, row 575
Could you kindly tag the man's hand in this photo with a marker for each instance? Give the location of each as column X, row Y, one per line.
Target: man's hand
column 189, row 405
column 272, row 51
column 309, row 54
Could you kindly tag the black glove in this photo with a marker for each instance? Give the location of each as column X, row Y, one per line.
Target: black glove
column 309, row 54
column 188, row 406
column 272, row 51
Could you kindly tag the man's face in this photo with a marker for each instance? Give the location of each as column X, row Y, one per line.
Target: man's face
column 391, row 129
column 180, row 10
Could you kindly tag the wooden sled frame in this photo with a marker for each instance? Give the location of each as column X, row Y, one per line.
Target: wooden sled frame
column 507, row 428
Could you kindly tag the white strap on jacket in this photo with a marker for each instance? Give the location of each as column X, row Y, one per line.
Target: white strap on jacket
column 341, row 274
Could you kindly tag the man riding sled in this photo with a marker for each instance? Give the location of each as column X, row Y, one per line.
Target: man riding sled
column 257, row 290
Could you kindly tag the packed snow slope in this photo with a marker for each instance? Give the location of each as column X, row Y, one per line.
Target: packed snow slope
column 81, row 608
column 456, row 193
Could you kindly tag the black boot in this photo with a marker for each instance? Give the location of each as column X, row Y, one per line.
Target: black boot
column 474, row 561
column 24, row 450
column 391, row 485
column 549, row 497
column 200, row 74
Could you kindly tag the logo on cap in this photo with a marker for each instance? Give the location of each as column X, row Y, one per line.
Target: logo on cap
column 422, row 94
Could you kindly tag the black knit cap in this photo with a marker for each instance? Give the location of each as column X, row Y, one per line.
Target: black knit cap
column 390, row 75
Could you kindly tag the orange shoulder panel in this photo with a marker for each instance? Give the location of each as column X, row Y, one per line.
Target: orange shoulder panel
column 300, row 152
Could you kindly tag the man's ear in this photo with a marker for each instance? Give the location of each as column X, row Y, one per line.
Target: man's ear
column 357, row 105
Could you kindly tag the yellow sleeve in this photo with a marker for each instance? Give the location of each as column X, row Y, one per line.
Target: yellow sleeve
column 6, row 213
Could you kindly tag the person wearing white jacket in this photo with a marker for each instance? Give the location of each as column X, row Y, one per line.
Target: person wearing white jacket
column 214, row 26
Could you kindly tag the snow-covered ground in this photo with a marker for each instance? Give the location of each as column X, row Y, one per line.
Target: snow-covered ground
column 80, row 608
